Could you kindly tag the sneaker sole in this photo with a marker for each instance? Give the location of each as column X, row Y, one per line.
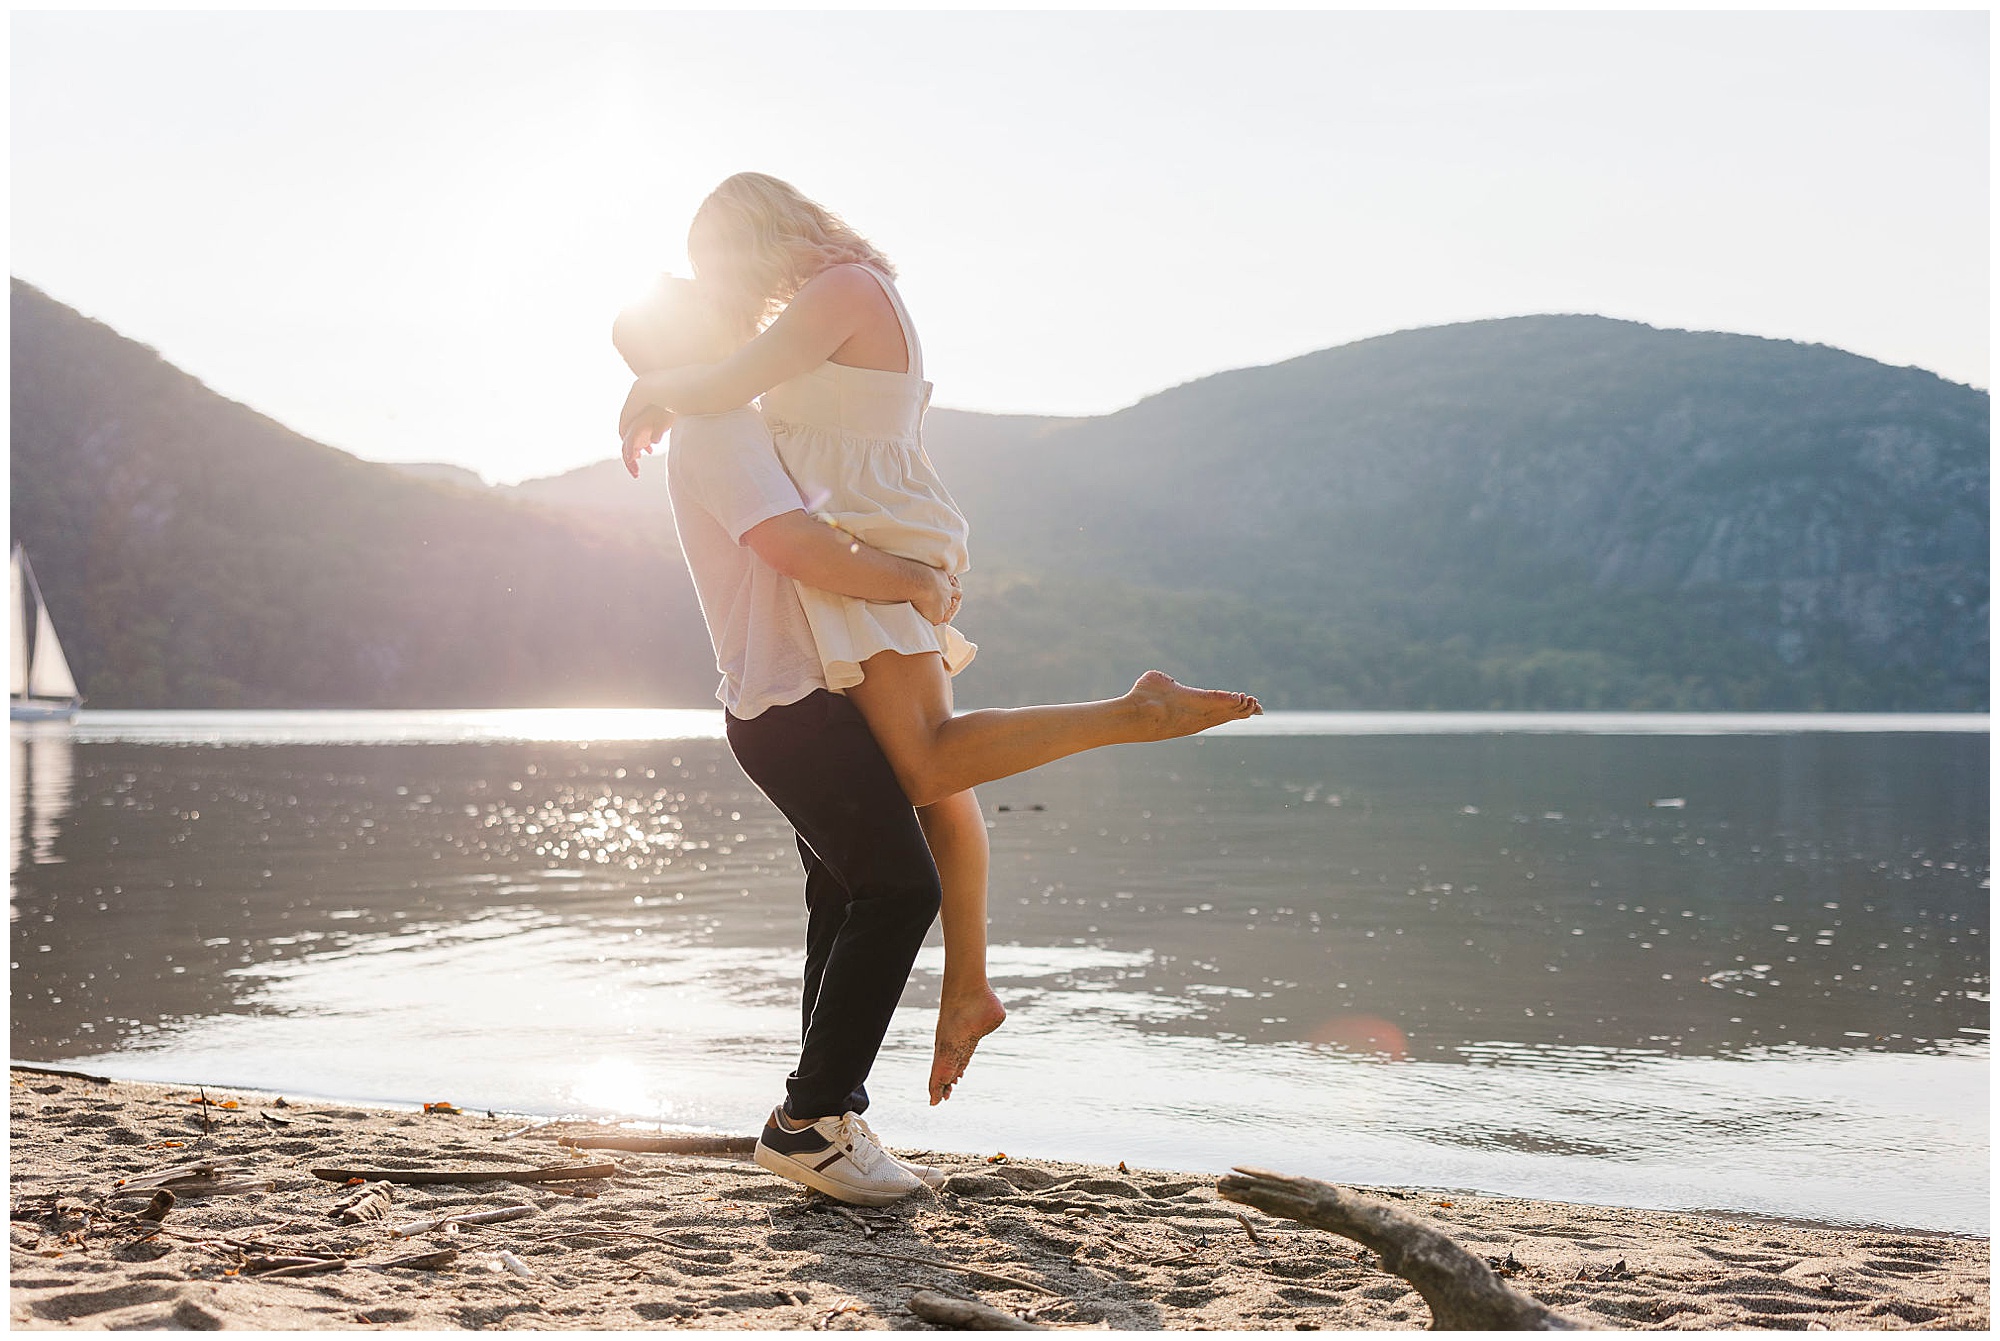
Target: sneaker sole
column 786, row 1167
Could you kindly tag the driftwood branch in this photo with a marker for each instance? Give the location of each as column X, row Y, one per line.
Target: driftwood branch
column 312, row 1268
column 944, row 1311
column 58, row 1071
column 444, row 1257
column 1461, row 1290
column 260, row 1264
column 207, row 1171
column 665, row 1145
column 493, row 1217
column 867, row 1230
column 245, row 1245
column 523, row 1131
column 195, row 1180
column 553, row 1173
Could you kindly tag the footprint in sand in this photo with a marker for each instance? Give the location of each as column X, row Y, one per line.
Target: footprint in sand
column 1299, row 1268
column 90, row 1303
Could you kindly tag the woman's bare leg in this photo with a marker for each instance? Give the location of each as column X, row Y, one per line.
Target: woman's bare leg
column 906, row 700
column 939, row 758
column 903, row 693
column 968, row 1009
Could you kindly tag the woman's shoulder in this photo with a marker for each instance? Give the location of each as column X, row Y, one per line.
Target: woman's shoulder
column 849, row 294
column 845, row 281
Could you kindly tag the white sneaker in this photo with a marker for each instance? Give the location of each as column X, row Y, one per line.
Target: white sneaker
column 928, row 1175
column 838, row 1156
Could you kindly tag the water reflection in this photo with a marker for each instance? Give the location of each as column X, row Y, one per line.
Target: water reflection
column 1387, row 896
column 38, row 791
column 1565, row 974
column 1818, row 890
column 439, row 726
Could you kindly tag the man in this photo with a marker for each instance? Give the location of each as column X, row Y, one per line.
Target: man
column 871, row 886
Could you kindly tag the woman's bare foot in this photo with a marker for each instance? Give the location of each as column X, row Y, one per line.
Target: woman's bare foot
column 962, row 1022
column 1173, row 709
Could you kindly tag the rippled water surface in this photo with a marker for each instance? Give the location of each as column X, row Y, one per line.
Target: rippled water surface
column 1711, row 963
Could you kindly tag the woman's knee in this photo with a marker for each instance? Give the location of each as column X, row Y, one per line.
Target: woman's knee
column 926, row 785
column 906, row 701
column 914, row 759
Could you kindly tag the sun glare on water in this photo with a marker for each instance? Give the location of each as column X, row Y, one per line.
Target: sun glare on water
column 615, row 1085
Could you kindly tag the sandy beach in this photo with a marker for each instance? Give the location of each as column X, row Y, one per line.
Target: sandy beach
column 712, row 1241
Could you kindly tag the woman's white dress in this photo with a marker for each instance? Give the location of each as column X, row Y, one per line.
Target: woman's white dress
column 851, row 438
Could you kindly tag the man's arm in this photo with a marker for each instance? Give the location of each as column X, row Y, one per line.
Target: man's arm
column 809, row 551
column 819, row 319
column 734, row 474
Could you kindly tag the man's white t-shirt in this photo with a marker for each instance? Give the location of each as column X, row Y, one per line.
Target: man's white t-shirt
column 724, row 477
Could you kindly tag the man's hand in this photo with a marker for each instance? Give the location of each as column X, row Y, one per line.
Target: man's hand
column 939, row 600
column 809, row 551
column 644, row 436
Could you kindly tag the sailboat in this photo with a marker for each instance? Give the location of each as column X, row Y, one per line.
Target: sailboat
column 39, row 685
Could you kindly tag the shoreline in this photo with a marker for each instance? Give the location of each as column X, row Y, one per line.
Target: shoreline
column 647, row 1126
column 701, row 1241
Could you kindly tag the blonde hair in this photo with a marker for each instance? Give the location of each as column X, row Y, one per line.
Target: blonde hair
column 787, row 239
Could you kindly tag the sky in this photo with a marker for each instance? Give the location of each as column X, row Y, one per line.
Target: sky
column 406, row 234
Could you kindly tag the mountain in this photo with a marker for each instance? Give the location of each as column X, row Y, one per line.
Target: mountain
column 603, row 487
column 196, row 554
column 442, row 471
column 1548, row 511
column 1535, row 512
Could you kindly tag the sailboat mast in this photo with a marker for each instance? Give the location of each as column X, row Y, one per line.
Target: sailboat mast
column 30, row 609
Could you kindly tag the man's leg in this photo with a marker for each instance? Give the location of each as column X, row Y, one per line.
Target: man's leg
column 819, row 765
column 826, row 910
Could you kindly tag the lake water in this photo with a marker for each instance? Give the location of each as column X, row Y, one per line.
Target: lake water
column 1727, row 963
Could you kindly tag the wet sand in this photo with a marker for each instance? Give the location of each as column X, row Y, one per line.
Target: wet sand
column 715, row 1242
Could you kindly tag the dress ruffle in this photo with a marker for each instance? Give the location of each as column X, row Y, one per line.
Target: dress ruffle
column 848, row 632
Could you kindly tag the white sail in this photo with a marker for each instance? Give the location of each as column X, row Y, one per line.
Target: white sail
column 49, row 676
column 17, row 628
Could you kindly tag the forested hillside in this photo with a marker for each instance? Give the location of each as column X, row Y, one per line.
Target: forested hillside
column 1537, row 512
column 1559, row 511
column 196, row 554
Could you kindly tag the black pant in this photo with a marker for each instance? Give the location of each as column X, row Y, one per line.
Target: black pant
column 871, row 886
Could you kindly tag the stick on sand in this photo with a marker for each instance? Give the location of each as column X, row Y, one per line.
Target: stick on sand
column 493, row 1217
column 553, row 1173
column 665, row 1145
column 945, row 1311
column 1462, row 1291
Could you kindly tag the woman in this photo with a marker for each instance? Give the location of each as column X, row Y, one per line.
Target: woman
column 830, row 348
